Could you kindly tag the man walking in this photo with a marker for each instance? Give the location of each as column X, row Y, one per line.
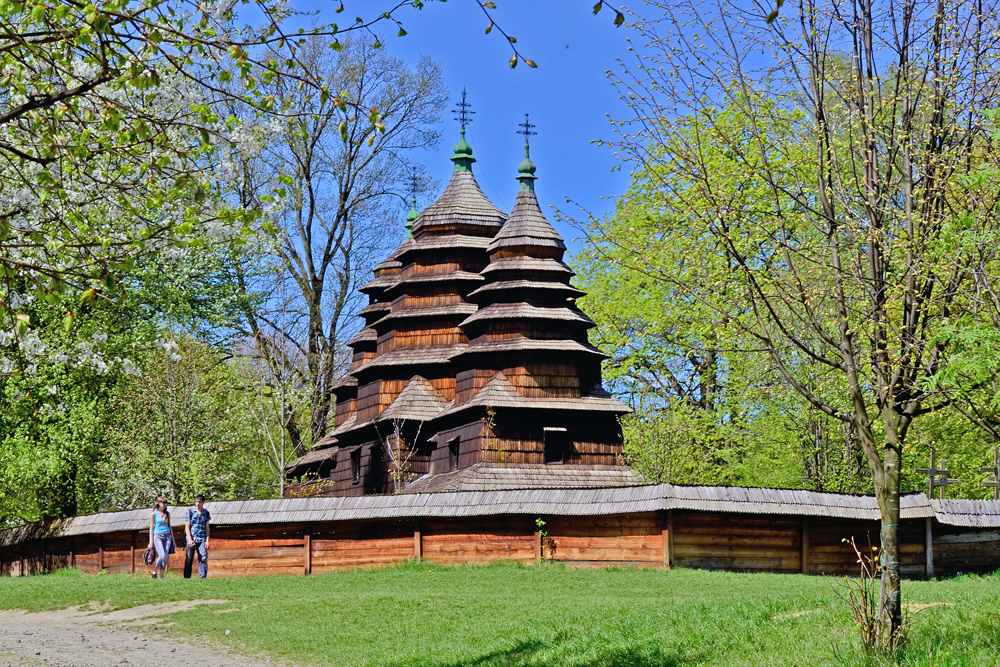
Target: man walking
column 196, row 530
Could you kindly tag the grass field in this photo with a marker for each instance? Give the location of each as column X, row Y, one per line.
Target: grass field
column 422, row 615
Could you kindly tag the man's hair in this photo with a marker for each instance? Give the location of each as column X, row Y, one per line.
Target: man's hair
column 200, row 497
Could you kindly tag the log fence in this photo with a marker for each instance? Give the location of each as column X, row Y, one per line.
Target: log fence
column 739, row 530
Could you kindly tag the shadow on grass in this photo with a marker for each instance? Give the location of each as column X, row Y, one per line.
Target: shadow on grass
column 529, row 654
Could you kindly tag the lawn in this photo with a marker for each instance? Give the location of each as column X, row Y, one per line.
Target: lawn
column 422, row 615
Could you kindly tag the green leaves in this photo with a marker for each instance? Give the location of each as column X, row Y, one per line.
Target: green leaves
column 21, row 323
column 619, row 17
column 773, row 15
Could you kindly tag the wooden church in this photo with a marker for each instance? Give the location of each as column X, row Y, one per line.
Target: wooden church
column 473, row 369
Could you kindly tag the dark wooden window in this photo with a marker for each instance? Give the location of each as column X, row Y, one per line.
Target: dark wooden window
column 453, row 451
column 425, row 448
column 356, row 466
column 556, row 445
column 375, row 477
column 326, row 468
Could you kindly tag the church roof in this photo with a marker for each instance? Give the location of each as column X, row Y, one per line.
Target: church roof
column 418, row 401
column 500, row 393
column 449, row 310
column 416, row 356
column 524, row 311
column 520, row 344
column 376, row 307
column 535, row 285
column 526, row 226
column 494, row 477
column 444, row 242
column 427, row 278
column 379, row 283
column 314, row 455
column 461, row 203
column 366, row 335
column 518, row 264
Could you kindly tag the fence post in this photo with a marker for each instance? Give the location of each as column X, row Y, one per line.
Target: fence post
column 538, row 545
column 667, row 534
column 418, row 540
column 307, row 550
column 929, row 545
column 135, row 535
column 805, row 545
column 100, row 552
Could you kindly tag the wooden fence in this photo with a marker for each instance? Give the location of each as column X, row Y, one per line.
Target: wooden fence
column 652, row 526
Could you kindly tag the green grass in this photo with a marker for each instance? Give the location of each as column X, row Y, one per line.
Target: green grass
column 422, row 615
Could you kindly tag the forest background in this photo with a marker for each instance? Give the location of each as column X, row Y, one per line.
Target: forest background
column 188, row 205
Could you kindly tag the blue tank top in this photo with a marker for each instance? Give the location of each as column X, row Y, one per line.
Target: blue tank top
column 160, row 524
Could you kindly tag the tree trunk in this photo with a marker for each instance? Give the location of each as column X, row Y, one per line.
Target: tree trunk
column 890, row 619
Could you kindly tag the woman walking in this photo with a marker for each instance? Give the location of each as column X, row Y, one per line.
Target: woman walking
column 160, row 536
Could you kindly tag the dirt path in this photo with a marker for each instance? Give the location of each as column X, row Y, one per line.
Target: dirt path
column 80, row 637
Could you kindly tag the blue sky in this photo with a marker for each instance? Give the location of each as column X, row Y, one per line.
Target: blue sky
column 568, row 95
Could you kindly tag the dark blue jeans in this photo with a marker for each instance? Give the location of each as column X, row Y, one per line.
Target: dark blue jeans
column 202, row 559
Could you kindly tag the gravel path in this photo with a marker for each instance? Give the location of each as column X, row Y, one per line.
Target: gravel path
column 86, row 638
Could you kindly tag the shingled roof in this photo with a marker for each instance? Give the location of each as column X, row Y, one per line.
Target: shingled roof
column 527, row 226
column 410, row 312
column 461, row 204
column 405, row 356
column 526, row 344
column 314, row 455
column 494, row 477
column 524, row 311
column 534, row 285
column 366, row 335
column 595, row 501
column 418, row 401
column 521, row 264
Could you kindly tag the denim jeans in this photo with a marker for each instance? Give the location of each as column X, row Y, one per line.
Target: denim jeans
column 202, row 559
column 161, row 542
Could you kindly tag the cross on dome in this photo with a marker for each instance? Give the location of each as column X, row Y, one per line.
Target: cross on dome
column 526, row 128
column 526, row 170
column 463, row 111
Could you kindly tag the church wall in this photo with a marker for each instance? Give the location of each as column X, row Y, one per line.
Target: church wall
column 420, row 334
column 536, row 251
column 470, row 436
column 422, row 298
column 360, row 358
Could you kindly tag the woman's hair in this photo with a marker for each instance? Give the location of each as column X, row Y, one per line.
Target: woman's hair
column 161, row 505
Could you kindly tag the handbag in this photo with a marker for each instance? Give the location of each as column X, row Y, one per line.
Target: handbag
column 149, row 556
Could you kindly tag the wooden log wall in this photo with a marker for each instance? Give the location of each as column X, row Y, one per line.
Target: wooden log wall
column 717, row 541
column 958, row 550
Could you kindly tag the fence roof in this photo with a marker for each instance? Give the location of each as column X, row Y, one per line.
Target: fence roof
column 536, row 501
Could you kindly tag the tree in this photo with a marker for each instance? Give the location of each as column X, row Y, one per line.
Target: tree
column 109, row 118
column 845, row 265
column 176, row 431
column 340, row 179
column 709, row 408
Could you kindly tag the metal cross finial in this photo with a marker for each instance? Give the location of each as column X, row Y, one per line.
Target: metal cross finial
column 527, row 128
column 994, row 478
column 463, row 111
column 414, row 182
